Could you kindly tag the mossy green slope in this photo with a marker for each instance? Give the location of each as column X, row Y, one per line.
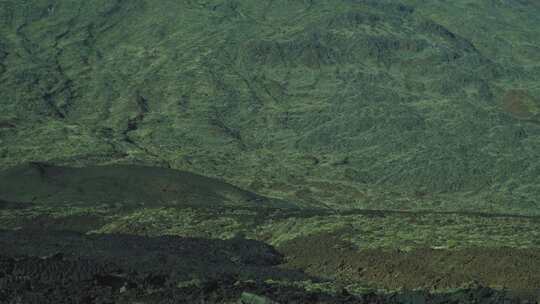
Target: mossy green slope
column 342, row 104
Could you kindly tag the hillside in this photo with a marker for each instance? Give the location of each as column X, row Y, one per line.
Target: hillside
column 271, row 151
column 346, row 104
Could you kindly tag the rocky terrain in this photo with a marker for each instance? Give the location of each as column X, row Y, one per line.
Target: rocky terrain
column 289, row 151
column 95, row 235
column 73, row 268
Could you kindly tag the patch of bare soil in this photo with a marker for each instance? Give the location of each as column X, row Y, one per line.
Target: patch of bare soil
column 326, row 255
column 515, row 102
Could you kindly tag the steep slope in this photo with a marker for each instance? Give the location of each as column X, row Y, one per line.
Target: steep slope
column 342, row 104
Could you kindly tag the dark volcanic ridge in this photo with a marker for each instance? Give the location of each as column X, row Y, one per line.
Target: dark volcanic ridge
column 41, row 183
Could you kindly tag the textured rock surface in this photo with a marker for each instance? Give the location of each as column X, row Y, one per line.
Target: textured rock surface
column 71, row 268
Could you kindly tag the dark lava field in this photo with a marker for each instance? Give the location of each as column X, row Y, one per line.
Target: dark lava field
column 269, row 151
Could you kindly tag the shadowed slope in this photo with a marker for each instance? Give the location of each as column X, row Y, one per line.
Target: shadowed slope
column 123, row 185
